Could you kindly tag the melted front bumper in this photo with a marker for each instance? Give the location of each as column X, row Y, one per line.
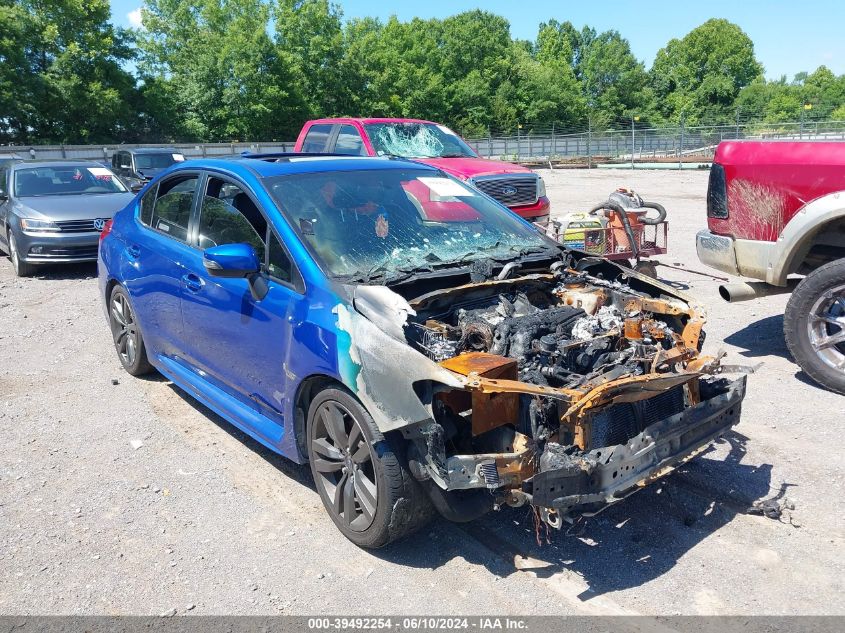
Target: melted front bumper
column 586, row 483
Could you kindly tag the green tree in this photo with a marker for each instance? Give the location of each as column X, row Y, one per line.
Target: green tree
column 214, row 67
column 701, row 74
column 309, row 33
column 614, row 82
column 62, row 75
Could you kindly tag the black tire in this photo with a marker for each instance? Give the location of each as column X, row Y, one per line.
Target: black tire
column 814, row 325
column 126, row 334
column 22, row 269
column 348, row 462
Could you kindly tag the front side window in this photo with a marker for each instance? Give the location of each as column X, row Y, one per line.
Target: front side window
column 316, row 138
column 66, row 180
column 229, row 216
column 349, row 142
column 416, row 140
column 361, row 222
column 171, row 211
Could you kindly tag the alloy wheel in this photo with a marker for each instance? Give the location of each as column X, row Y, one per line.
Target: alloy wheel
column 826, row 327
column 343, row 465
column 124, row 328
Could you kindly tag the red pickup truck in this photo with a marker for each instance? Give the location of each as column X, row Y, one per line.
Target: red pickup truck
column 515, row 186
column 776, row 209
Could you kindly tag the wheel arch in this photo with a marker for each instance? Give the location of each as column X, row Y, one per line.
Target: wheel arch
column 306, row 391
column 813, row 237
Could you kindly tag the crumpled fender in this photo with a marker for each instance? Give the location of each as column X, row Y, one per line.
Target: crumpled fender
column 378, row 367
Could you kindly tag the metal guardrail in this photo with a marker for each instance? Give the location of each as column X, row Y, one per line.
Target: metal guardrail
column 105, row 152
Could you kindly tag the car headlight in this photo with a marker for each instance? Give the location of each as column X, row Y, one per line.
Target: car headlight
column 541, row 187
column 41, row 226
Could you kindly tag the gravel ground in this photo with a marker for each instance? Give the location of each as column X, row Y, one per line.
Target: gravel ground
column 123, row 496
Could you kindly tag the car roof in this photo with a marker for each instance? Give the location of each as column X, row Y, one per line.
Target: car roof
column 149, row 150
column 56, row 162
column 283, row 164
column 366, row 120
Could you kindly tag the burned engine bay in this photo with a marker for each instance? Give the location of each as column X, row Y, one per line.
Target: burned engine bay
column 578, row 390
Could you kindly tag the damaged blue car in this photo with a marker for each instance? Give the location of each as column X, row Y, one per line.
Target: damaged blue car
column 423, row 348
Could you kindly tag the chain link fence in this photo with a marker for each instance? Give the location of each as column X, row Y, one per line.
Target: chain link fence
column 644, row 144
column 686, row 146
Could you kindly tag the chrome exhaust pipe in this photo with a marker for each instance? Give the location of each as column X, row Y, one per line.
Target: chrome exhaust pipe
column 754, row 290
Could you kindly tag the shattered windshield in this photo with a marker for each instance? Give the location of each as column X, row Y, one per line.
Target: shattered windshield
column 417, row 140
column 371, row 224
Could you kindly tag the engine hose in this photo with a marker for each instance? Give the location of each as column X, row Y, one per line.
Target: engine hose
column 661, row 214
column 623, row 217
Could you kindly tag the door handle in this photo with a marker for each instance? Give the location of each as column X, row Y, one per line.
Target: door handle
column 193, row 282
column 134, row 251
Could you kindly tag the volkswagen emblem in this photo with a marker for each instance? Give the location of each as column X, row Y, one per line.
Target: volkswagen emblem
column 508, row 190
column 99, row 224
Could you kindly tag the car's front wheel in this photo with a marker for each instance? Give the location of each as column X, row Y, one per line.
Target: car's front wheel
column 814, row 325
column 126, row 333
column 360, row 476
column 22, row 269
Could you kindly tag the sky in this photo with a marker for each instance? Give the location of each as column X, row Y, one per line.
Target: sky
column 789, row 36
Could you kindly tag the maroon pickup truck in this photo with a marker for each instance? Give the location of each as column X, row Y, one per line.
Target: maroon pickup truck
column 776, row 209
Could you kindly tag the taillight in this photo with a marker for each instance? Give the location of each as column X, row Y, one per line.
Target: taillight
column 106, row 229
column 717, row 193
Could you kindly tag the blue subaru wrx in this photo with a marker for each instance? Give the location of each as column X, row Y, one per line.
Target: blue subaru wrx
column 422, row 347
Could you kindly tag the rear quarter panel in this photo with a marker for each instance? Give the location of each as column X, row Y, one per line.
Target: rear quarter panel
column 768, row 183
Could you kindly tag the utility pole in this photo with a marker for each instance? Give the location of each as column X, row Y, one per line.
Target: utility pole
column 589, row 141
column 633, row 118
column 681, row 145
column 807, row 107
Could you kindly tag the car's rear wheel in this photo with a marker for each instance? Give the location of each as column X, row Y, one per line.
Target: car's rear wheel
column 22, row 269
column 126, row 333
column 814, row 325
column 360, row 475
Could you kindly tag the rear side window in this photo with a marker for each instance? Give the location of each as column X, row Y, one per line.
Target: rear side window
column 170, row 213
column 147, row 205
column 349, row 142
column 717, row 193
column 316, row 138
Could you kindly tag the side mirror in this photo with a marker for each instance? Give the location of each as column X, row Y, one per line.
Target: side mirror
column 236, row 261
column 231, row 260
column 3, row 196
column 135, row 187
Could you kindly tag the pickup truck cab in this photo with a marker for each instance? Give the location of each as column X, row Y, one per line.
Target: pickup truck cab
column 515, row 186
column 776, row 209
